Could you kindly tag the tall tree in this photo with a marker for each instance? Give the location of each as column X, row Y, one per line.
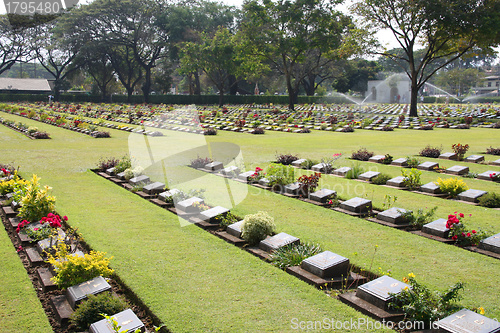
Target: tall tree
column 445, row 29
column 128, row 23
column 283, row 32
column 55, row 52
column 13, row 42
column 221, row 58
column 126, row 67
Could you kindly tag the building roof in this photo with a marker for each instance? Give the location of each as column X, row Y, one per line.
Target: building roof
column 24, row 84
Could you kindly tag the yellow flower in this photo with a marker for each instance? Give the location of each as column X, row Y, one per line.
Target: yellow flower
column 411, row 275
column 405, row 280
column 481, row 310
column 405, row 288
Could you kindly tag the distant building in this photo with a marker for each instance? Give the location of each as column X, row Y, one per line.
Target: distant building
column 489, row 85
column 395, row 89
column 24, row 86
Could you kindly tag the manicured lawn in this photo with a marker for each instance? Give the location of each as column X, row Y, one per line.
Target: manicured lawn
column 195, row 282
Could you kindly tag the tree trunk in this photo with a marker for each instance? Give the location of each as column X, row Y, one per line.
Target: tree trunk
column 414, row 97
column 146, row 88
column 130, row 90
column 221, row 97
column 233, row 85
column 309, row 85
column 196, row 84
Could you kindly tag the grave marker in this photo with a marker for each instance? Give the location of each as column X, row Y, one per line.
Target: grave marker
column 471, row 195
column 79, row 292
column 127, row 320
column 393, row 215
column 357, row 205
column 467, row 321
column 322, row 195
column 235, row 229
column 428, row 166
column 437, row 228
column 491, row 244
column 369, row 175
column 154, row 188
column 326, row 265
column 275, row 242
column 458, row 170
column 214, row 166
column 377, row 292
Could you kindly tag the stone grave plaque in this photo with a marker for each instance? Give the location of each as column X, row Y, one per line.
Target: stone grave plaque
column 322, row 195
column 357, row 205
column 127, row 320
column 431, row 187
column 210, row 214
column 341, row 171
column 292, row 189
column 298, row 163
column 139, row 180
column 437, row 228
column 235, row 229
column 496, row 162
column 77, row 293
column 187, row 205
column 393, row 215
column 168, row 194
column 44, row 244
column 448, row 156
column 396, row 182
column 428, row 166
column 326, row 265
column 319, row 167
column 245, row 176
column 467, row 321
column 275, row 242
column 369, row 175
column 474, row 158
column 486, row 175
column 377, row 291
column 230, row 170
column 471, row 195
column 154, row 188
column 110, row 171
column 458, row 170
column 264, row 182
column 121, row 175
column 491, row 244
column 400, row 162
column 214, row 166
column 376, row 158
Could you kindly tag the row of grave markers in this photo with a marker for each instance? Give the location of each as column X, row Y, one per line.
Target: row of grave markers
column 324, row 269
column 360, row 207
column 64, row 305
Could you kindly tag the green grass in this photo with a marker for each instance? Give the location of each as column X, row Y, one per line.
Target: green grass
column 20, row 309
column 195, row 282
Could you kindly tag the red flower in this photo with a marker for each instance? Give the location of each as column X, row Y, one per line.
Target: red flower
column 462, row 215
column 455, row 237
column 473, row 231
column 468, row 234
column 65, row 218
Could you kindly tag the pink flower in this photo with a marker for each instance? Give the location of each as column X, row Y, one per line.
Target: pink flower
column 65, row 218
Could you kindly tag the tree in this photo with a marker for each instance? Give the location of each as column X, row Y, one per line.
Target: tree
column 284, row 32
column 124, row 23
column 55, row 52
column 95, row 61
column 126, row 67
column 13, row 43
column 354, row 75
column 445, row 29
column 458, row 81
column 220, row 57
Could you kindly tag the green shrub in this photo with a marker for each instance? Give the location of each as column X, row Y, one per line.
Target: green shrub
column 279, row 174
column 35, row 201
column 124, row 163
column 257, row 227
column 381, row 179
column 356, row 170
column 72, row 269
column 419, row 218
column 226, row 220
column 451, row 186
column 90, row 310
column 293, row 255
column 491, row 200
column 419, row 303
column 412, row 162
column 412, row 178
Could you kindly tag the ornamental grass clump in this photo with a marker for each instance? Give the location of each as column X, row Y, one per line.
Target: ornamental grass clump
column 294, row 254
column 257, row 227
column 451, row 186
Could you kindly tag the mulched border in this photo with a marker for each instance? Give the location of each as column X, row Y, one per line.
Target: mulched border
column 118, row 286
